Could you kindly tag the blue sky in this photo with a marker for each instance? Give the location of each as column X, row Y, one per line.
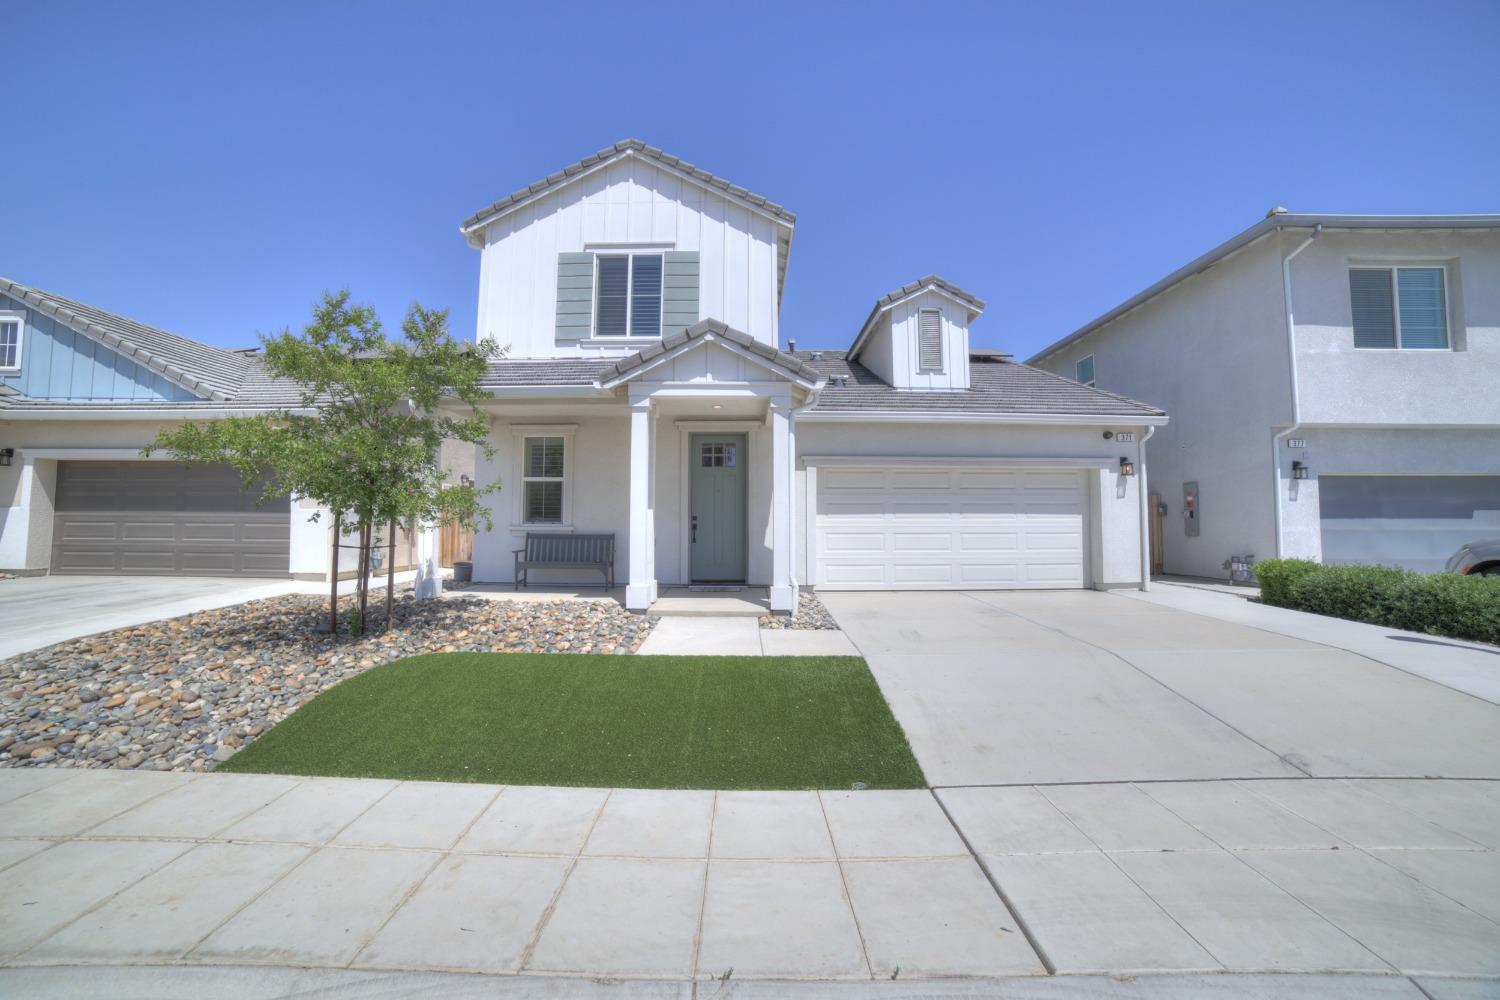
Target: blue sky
column 210, row 168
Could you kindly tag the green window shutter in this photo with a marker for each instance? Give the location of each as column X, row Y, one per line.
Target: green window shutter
column 1373, row 306
column 679, row 291
column 575, row 295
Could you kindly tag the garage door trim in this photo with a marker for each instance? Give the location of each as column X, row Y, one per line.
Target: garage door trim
column 955, row 565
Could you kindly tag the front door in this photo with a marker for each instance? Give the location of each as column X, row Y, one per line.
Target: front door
column 717, row 507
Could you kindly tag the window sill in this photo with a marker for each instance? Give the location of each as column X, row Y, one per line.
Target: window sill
column 537, row 529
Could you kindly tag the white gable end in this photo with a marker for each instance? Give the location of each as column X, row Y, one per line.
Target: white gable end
column 628, row 204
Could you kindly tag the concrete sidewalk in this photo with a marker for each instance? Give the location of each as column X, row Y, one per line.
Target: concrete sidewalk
column 1383, row 878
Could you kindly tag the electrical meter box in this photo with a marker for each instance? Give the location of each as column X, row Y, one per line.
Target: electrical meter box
column 1190, row 512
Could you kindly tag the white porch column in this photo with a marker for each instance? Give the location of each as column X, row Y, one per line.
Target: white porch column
column 783, row 593
column 640, row 590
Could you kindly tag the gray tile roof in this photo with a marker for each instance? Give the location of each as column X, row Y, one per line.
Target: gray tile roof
column 208, row 371
column 611, row 152
column 789, row 363
column 505, row 374
column 996, row 387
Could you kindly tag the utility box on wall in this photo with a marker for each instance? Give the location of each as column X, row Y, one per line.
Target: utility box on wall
column 1190, row 512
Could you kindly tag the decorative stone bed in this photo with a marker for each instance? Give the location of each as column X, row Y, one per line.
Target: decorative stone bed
column 183, row 693
column 810, row 615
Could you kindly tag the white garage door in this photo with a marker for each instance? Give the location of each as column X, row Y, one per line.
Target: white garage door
column 1416, row 522
column 945, row 529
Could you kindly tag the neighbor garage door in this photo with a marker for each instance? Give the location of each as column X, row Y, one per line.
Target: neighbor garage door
column 1412, row 521
column 944, row 529
column 161, row 518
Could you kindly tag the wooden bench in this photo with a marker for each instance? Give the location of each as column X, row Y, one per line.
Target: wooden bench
column 552, row 550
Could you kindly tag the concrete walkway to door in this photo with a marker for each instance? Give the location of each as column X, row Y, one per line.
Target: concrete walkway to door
column 1078, row 686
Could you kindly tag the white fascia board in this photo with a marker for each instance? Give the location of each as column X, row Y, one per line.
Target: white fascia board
column 514, row 391
column 897, row 416
column 963, row 461
column 479, row 227
column 697, row 343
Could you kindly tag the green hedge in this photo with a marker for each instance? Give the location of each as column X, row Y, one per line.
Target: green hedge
column 1460, row 607
column 1277, row 576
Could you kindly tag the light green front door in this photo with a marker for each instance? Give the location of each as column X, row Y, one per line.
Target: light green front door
column 717, row 507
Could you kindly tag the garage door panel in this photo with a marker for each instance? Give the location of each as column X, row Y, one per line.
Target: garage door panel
column 1416, row 522
column 951, row 528
column 921, row 541
column 161, row 518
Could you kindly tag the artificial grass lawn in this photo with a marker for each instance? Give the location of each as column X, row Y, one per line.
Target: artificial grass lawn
column 603, row 721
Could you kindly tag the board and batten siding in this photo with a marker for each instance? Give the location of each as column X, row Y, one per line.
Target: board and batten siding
column 630, row 205
column 58, row 362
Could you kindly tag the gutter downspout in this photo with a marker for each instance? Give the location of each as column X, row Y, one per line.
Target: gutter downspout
column 1145, row 501
column 791, row 500
column 1291, row 350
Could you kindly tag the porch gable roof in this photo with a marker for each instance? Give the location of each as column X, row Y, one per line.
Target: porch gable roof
column 782, row 363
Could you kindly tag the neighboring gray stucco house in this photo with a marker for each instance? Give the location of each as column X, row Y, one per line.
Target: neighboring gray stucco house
column 1334, row 386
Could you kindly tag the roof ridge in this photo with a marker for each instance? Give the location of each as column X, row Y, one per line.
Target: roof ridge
column 623, row 147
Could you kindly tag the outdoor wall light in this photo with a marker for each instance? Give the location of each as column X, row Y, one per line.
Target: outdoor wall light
column 6, row 454
column 1299, row 470
column 1127, row 467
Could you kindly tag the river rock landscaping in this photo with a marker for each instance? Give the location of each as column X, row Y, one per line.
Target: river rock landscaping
column 185, row 693
column 810, row 615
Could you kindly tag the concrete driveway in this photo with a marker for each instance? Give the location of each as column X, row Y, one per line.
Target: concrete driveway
column 37, row 611
column 1078, row 686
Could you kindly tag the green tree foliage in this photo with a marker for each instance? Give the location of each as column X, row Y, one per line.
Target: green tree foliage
column 365, row 442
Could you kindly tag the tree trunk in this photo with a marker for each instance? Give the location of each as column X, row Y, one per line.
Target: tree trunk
column 364, row 577
column 333, row 575
column 390, row 573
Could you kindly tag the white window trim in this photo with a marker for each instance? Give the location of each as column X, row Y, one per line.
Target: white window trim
column 519, row 434
column 942, row 347
column 1396, row 306
column 20, row 320
column 630, row 253
column 1093, row 366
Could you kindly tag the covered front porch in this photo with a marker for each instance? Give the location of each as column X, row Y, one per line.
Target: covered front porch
column 682, row 453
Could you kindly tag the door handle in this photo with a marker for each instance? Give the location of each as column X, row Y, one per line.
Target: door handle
column 694, row 531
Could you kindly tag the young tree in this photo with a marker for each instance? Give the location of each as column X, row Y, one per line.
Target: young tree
column 366, row 441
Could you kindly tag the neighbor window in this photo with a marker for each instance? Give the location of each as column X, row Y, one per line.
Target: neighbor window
column 1405, row 307
column 930, row 340
column 542, row 480
column 10, row 342
column 629, row 297
column 1083, row 371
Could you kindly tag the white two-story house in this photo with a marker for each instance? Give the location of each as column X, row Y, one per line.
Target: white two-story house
column 1334, row 387
column 649, row 392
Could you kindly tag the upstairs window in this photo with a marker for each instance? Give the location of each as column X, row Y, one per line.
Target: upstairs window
column 1083, row 371
column 1399, row 307
column 10, row 342
column 629, row 298
column 542, row 480
column 930, row 340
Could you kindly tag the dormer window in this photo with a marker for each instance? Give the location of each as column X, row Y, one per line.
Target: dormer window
column 629, row 300
column 930, row 340
column 10, row 341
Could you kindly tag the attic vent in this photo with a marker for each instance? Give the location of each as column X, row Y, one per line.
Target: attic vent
column 930, row 340
column 817, row 355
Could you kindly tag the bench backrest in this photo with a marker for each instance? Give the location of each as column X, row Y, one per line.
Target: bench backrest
column 549, row 547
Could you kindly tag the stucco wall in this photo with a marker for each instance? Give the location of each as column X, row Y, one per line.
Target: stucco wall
column 1212, row 353
column 1339, row 384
